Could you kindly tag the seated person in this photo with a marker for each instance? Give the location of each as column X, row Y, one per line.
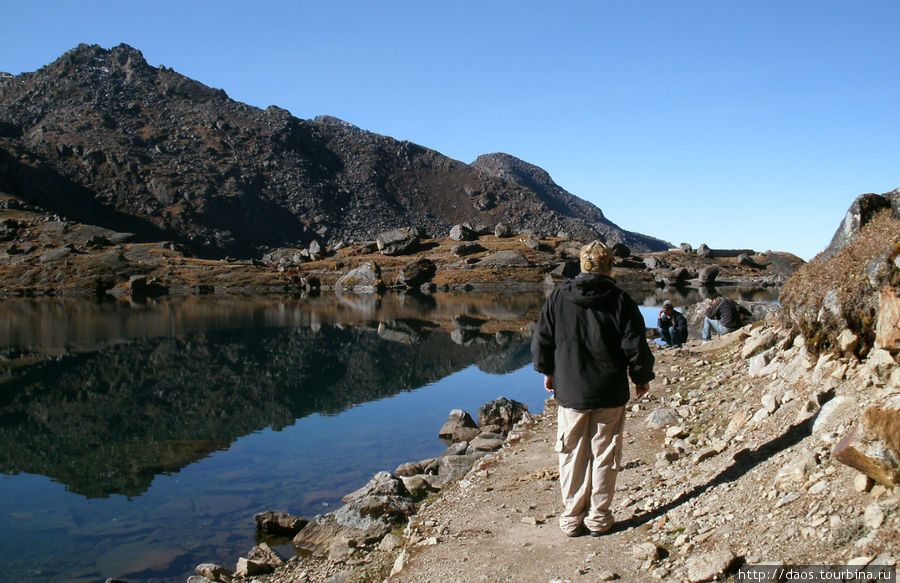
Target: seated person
column 672, row 325
column 722, row 317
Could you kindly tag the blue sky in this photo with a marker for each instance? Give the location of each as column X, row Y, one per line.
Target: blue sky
column 736, row 124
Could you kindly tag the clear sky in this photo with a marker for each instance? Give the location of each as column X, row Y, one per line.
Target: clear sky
column 736, row 124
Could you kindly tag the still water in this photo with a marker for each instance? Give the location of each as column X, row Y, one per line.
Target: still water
column 138, row 440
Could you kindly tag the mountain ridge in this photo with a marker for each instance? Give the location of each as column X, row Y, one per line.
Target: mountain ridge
column 102, row 137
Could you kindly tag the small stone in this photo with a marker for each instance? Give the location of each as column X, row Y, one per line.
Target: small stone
column 400, row 562
column 818, row 487
column 645, row 552
column 607, row 575
column 214, row 572
column 863, row 483
column 662, row 418
column 770, row 403
column 706, row 454
column 708, row 566
column 874, row 515
column 248, row 568
column 389, row 542
column 676, row 431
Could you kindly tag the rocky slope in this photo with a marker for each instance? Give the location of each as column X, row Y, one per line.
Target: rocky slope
column 42, row 253
column 853, row 285
column 102, row 138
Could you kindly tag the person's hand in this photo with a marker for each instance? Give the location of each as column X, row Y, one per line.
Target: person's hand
column 641, row 390
column 548, row 384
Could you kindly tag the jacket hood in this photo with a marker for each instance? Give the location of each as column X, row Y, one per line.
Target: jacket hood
column 590, row 290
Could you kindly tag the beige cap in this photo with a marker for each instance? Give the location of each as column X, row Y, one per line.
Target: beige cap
column 596, row 257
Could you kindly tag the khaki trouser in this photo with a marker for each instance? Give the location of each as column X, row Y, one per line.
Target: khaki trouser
column 590, row 454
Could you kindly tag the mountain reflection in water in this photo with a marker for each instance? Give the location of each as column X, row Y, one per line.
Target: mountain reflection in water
column 130, row 393
column 170, row 423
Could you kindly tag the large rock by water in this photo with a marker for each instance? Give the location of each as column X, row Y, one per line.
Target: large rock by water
column 364, row 279
column 398, row 242
column 366, row 516
column 503, row 413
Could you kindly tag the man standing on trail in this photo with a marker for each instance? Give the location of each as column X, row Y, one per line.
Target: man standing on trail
column 589, row 339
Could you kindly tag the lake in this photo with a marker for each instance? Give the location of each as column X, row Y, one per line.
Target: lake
column 139, row 439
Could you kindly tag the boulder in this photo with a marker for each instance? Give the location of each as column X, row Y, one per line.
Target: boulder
column 417, row 487
column 456, row 466
column 466, row 248
column 486, row 443
column 463, row 233
column 142, row 286
column 847, row 342
column 502, row 412
column 662, row 418
column 398, row 241
column 263, row 553
column 861, row 212
column 271, row 523
column 873, row 446
column 686, row 248
column 758, row 363
column 754, row 345
column 249, row 568
column 502, row 231
column 709, row 566
column 505, row 258
column 381, row 484
column 704, row 251
column 533, row 242
column 565, row 270
column 621, row 250
column 411, row 468
column 708, row 275
column 366, row 517
column 459, row 427
column 880, row 364
column 887, row 328
column 214, row 572
column 745, row 260
column 653, row 263
column 416, row 272
column 364, row 279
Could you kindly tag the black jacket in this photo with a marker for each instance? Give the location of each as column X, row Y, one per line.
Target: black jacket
column 726, row 312
column 590, row 337
column 676, row 320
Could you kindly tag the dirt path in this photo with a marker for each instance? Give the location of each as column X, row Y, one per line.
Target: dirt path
column 757, row 490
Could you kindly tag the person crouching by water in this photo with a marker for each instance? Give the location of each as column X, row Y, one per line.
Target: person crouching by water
column 672, row 325
column 589, row 339
column 722, row 317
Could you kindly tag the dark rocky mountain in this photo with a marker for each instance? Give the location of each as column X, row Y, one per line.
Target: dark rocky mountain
column 562, row 201
column 101, row 137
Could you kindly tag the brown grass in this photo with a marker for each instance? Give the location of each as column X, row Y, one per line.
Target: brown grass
column 845, row 273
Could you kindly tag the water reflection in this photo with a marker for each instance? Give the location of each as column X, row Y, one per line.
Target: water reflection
column 170, row 423
column 104, row 397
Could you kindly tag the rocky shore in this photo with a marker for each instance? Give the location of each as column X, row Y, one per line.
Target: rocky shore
column 728, row 462
column 43, row 254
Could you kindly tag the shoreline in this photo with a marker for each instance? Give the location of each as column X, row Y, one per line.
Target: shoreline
column 746, row 444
